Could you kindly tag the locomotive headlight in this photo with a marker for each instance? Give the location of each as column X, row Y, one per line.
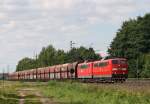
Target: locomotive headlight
column 114, row 69
column 124, row 68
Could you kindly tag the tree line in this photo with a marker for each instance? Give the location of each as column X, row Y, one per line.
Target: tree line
column 50, row 56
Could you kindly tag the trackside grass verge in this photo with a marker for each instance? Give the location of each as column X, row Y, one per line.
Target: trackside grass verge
column 10, row 93
column 79, row 93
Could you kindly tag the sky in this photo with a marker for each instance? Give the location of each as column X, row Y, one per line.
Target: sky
column 28, row 25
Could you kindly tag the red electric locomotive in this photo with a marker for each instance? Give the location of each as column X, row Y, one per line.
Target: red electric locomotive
column 107, row 70
column 103, row 70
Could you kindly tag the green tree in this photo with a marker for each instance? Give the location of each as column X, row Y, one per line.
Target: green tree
column 132, row 41
column 61, row 57
column 81, row 54
column 26, row 63
column 146, row 66
column 47, row 56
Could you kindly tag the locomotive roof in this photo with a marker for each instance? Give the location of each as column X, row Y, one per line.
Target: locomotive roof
column 110, row 59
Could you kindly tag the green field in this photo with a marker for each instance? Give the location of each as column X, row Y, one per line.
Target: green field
column 75, row 93
column 7, row 94
column 10, row 93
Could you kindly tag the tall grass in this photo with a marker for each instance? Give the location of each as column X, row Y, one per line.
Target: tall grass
column 8, row 94
column 77, row 93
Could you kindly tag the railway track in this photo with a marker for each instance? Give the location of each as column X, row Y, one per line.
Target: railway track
column 131, row 82
column 138, row 80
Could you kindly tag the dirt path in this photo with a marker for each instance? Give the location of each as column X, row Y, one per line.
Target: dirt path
column 43, row 100
column 32, row 95
column 21, row 100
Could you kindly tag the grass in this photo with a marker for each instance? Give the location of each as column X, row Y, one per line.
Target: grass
column 77, row 93
column 9, row 93
column 32, row 102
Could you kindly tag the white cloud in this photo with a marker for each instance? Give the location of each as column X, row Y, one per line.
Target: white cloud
column 52, row 4
column 7, row 26
column 2, row 16
column 11, row 24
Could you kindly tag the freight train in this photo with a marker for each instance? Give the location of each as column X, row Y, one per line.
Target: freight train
column 103, row 70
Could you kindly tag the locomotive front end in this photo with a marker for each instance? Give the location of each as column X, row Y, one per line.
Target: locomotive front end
column 119, row 69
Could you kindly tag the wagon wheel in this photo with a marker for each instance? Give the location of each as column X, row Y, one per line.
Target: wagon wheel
column 72, row 71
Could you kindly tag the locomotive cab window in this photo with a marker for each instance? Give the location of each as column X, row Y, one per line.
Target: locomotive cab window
column 96, row 65
column 103, row 64
column 123, row 62
column 115, row 62
column 84, row 66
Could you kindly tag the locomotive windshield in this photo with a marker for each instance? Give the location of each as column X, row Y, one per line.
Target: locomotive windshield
column 84, row 66
column 115, row 61
column 119, row 62
column 123, row 62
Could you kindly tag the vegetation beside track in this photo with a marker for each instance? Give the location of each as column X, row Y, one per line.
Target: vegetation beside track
column 8, row 94
column 68, row 92
column 19, row 93
column 79, row 93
